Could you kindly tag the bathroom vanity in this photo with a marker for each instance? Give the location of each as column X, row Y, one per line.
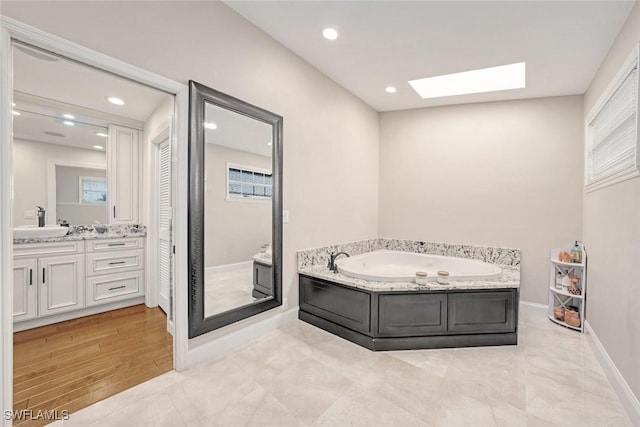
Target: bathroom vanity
column 77, row 275
column 402, row 315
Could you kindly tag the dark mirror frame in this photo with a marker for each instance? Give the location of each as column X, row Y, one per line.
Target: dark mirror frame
column 198, row 96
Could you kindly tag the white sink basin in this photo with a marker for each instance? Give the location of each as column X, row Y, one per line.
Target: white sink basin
column 35, row 232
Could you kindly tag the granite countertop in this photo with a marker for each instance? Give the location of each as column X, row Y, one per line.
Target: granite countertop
column 262, row 258
column 77, row 233
column 510, row 278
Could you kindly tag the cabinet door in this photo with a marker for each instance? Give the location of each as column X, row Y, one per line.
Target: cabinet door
column 61, row 283
column 123, row 174
column 482, row 312
column 25, row 302
column 263, row 278
column 406, row 315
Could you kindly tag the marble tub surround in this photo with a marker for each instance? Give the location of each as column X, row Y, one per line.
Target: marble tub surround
column 86, row 232
column 493, row 255
column 509, row 278
column 313, row 263
column 319, row 256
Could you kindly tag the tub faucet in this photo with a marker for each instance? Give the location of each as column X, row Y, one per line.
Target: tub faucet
column 41, row 213
column 332, row 260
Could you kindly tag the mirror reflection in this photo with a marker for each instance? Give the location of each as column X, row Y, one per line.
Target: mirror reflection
column 238, row 187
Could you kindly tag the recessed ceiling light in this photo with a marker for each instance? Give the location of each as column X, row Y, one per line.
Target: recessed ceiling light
column 102, row 134
column 390, row 89
column 330, row 33
column 16, row 113
column 269, row 143
column 115, row 100
column 492, row 79
column 68, row 123
column 13, row 103
column 68, row 116
column 98, row 147
column 210, row 125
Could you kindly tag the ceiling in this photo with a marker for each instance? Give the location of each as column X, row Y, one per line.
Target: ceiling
column 383, row 43
column 237, row 131
column 48, row 86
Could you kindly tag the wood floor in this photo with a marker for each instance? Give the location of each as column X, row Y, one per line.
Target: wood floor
column 71, row 365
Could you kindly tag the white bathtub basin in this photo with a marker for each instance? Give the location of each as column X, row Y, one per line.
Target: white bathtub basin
column 35, row 232
column 397, row 266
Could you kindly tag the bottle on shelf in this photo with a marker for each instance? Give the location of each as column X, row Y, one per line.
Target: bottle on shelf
column 559, row 281
column 576, row 253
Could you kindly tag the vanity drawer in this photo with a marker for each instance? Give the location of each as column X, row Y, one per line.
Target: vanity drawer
column 116, row 261
column 114, row 287
column 23, row 250
column 101, row 245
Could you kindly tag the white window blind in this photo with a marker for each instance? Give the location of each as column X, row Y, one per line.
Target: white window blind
column 612, row 134
column 248, row 183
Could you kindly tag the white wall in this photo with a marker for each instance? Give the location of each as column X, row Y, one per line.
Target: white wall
column 330, row 136
column 68, row 206
column 234, row 230
column 30, row 173
column 612, row 236
column 498, row 174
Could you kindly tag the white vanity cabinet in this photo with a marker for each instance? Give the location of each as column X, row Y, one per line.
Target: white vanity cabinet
column 63, row 280
column 48, row 278
column 123, row 166
column 25, row 303
column 115, row 270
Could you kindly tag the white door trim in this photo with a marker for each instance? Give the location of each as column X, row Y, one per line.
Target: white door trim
column 12, row 29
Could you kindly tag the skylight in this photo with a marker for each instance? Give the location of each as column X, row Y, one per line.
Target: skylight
column 492, row 79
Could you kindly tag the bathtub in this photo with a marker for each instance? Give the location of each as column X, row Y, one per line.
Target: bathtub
column 397, row 266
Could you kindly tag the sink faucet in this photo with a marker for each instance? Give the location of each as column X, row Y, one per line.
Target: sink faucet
column 41, row 213
column 332, row 260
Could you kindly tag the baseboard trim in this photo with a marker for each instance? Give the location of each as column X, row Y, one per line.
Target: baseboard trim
column 229, row 267
column 534, row 305
column 220, row 347
column 621, row 387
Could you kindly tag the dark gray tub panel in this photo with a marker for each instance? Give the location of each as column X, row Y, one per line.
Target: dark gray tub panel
column 407, row 315
column 410, row 320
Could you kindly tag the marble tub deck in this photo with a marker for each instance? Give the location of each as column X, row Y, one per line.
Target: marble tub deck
column 509, row 278
column 313, row 262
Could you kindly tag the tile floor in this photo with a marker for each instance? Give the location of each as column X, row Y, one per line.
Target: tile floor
column 228, row 289
column 300, row 375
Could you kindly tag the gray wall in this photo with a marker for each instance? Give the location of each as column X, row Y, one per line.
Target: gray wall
column 234, row 230
column 612, row 236
column 30, row 173
column 499, row 174
column 67, row 196
column 330, row 136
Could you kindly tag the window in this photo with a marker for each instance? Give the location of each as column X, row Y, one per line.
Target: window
column 93, row 190
column 612, row 131
column 248, row 183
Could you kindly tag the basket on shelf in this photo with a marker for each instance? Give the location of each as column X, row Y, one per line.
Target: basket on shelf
column 558, row 313
column 572, row 318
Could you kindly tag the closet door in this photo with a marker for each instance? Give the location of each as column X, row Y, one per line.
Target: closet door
column 164, row 224
column 124, row 174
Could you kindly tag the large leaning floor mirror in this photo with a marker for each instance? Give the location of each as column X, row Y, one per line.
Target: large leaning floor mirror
column 235, row 206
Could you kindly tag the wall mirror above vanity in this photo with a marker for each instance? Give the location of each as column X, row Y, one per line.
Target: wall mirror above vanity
column 76, row 154
column 235, row 205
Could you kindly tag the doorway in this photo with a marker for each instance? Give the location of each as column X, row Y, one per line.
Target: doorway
column 52, row 112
